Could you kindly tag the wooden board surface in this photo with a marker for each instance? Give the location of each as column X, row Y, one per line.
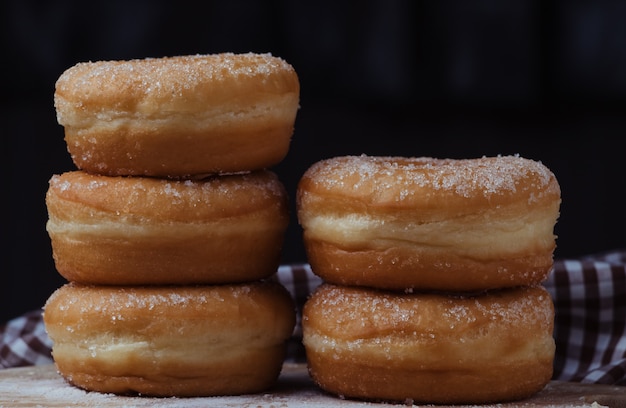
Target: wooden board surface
column 42, row 386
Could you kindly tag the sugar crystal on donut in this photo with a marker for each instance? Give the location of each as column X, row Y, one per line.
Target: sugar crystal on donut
column 184, row 341
column 136, row 230
column 179, row 116
column 433, row 224
column 171, row 225
column 432, row 271
column 429, row 347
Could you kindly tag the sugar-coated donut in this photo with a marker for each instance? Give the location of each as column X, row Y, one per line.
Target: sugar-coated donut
column 170, row 340
column 178, row 116
column 429, row 348
column 116, row 230
column 424, row 223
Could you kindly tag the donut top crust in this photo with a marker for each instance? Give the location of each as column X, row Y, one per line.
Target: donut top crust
column 173, row 200
column 430, row 183
column 351, row 313
column 181, row 84
column 85, row 309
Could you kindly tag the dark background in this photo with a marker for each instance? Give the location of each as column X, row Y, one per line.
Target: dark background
column 448, row 78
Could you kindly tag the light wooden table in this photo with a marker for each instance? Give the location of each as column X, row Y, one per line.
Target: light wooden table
column 43, row 386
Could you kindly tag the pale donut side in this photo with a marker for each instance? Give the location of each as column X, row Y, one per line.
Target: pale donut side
column 178, row 116
column 429, row 348
column 138, row 230
column 423, row 223
column 170, row 341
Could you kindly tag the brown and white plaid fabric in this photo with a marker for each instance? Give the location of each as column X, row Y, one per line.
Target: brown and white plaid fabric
column 24, row 342
column 590, row 322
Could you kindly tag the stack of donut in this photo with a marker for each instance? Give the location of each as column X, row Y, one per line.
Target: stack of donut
column 172, row 225
column 432, row 274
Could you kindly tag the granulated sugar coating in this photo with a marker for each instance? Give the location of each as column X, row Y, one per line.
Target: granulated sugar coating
column 114, row 300
column 436, row 348
column 181, row 116
column 483, row 178
column 426, row 223
column 363, row 313
column 167, row 200
column 193, row 77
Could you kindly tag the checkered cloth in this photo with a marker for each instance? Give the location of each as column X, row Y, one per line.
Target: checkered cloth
column 590, row 322
column 23, row 342
column 590, row 319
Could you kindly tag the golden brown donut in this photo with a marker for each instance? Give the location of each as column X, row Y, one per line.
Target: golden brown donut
column 429, row 348
column 140, row 231
column 423, row 223
column 178, row 116
column 170, row 340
